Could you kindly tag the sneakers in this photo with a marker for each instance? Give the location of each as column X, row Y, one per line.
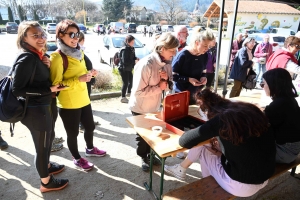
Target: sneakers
column 124, row 100
column 55, row 168
column 56, row 147
column 180, row 155
column 58, row 140
column 95, row 152
column 54, row 184
column 128, row 94
column 145, row 164
column 3, row 144
column 177, row 171
column 83, row 164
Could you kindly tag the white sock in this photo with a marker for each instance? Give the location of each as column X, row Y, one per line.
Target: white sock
column 90, row 149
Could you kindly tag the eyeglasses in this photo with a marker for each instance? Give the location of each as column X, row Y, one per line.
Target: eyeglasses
column 262, row 85
column 73, row 35
column 37, row 36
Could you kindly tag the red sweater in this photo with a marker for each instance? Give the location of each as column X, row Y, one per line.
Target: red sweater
column 279, row 59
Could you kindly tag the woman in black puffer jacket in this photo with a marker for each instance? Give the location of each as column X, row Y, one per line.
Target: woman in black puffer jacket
column 127, row 62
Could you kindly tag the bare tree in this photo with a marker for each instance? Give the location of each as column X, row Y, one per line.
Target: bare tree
column 170, row 9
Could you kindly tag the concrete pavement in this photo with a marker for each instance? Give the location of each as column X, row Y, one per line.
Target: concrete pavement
column 115, row 176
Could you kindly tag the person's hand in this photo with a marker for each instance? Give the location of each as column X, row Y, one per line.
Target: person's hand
column 194, row 82
column 94, row 72
column 203, row 80
column 163, row 75
column 46, row 61
column 57, row 88
column 85, row 77
column 163, row 84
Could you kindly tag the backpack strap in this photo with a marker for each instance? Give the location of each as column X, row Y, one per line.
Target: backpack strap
column 65, row 60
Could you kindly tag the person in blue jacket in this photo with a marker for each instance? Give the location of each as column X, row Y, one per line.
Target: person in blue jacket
column 241, row 65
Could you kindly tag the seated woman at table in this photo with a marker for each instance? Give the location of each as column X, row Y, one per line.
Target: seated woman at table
column 283, row 113
column 152, row 76
column 247, row 158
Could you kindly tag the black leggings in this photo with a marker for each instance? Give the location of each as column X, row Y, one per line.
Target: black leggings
column 71, row 119
column 38, row 120
column 142, row 149
column 127, row 81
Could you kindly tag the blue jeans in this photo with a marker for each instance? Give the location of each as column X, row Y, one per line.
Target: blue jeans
column 287, row 153
column 261, row 67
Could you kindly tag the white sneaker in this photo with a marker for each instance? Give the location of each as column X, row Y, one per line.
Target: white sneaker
column 124, row 100
column 180, row 155
column 177, row 171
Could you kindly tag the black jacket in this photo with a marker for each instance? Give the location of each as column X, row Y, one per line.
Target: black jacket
column 127, row 58
column 283, row 114
column 252, row 162
column 41, row 84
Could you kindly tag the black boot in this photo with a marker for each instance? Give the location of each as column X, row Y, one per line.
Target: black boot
column 3, row 144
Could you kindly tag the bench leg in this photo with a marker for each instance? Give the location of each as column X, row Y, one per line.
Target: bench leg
column 162, row 176
column 149, row 187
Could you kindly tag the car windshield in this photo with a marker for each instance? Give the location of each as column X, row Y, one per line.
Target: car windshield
column 52, row 24
column 170, row 26
column 51, row 46
column 118, row 42
column 11, row 24
column 132, row 25
column 279, row 39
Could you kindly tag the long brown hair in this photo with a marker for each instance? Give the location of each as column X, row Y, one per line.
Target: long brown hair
column 240, row 120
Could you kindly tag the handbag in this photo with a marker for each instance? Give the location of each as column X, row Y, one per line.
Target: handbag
column 250, row 82
column 262, row 60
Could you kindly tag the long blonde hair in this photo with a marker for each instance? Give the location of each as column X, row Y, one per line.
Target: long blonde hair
column 22, row 33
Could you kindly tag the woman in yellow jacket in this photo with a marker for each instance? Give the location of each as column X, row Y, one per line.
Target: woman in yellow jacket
column 73, row 103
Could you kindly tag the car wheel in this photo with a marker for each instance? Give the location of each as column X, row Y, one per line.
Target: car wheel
column 100, row 57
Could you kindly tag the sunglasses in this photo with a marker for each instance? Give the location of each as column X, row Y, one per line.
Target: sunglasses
column 297, row 46
column 262, row 85
column 37, row 36
column 73, row 35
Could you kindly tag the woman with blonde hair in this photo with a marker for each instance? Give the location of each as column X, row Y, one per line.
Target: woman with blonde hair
column 38, row 118
column 189, row 63
column 152, row 76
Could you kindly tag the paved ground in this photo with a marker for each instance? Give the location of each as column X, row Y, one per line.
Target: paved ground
column 116, row 176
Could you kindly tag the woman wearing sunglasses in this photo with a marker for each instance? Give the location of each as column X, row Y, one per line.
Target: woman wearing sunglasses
column 73, row 103
column 31, row 41
column 285, row 57
column 283, row 113
column 241, row 65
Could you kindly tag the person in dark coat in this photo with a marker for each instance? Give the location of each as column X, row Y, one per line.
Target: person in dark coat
column 241, row 65
column 127, row 62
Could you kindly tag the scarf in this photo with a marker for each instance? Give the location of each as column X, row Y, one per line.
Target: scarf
column 32, row 49
column 279, row 59
column 69, row 51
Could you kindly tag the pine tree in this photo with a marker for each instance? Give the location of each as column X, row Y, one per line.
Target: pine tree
column 113, row 9
column 35, row 16
column 10, row 15
column 21, row 13
column 1, row 20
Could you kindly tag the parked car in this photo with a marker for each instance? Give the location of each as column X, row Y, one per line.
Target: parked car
column 82, row 28
column 117, row 26
column 140, row 28
column 155, row 27
column 276, row 40
column 130, row 28
column 111, row 44
column 167, row 28
column 51, row 28
column 11, row 27
column 202, row 28
column 282, row 31
column 51, row 47
column 97, row 26
column 251, row 31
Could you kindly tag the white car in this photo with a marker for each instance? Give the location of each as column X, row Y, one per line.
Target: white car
column 110, row 44
column 51, row 28
column 283, row 32
column 277, row 41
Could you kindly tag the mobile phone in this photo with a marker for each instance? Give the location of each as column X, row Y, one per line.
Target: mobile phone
column 62, row 86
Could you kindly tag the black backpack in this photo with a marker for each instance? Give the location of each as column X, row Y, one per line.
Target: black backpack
column 12, row 108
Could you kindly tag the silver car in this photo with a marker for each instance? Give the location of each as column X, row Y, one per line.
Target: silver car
column 51, row 28
column 111, row 44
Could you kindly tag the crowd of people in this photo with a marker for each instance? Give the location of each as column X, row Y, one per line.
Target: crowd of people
column 241, row 133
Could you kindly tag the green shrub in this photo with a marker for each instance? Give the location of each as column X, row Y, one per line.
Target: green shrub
column 108, row 81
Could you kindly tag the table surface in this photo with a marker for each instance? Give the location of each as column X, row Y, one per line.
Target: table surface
column 167, row 144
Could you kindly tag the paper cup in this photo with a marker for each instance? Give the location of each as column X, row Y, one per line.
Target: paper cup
column 156, row 130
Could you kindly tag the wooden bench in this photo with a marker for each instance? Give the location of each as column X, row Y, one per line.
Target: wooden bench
column 208, row 188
